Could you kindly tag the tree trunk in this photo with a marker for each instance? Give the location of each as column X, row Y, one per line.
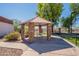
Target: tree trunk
column 52, row 25
column 52, row 29
column 69, row 30
column 59, row 30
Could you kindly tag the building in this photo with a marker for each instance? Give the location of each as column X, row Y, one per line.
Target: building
column 6, row 26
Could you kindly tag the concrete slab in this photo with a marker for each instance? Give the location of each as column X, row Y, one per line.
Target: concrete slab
column 56, row 46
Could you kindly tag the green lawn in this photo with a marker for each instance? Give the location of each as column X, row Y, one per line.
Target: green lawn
column 73, row 40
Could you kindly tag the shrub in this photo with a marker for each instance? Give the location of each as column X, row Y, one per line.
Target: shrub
column 13, row 36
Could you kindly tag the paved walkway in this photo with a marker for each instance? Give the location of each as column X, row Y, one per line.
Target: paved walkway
column 42, row 47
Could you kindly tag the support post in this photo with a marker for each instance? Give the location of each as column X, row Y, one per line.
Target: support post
column 49, row 31
column 40, row 29
column 22, row 31
column 31, row 31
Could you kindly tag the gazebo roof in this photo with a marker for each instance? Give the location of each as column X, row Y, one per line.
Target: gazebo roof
column 38, row 21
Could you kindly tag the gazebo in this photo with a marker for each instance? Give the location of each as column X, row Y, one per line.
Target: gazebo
column 36, row 21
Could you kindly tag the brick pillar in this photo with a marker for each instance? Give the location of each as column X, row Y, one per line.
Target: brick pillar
column 22, row 31
column 31, row 31
column 40, row 29
column 49, row 31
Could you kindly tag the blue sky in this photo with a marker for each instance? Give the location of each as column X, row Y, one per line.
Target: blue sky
column 66, row 10
column 26, row 11
column 18, row 11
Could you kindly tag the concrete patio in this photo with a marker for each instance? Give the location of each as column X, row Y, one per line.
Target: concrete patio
column 42, row 47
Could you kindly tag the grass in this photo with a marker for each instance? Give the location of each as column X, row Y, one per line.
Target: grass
column 73, row 40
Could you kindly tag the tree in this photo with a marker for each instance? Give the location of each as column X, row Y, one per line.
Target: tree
column 59, row 23
column 70, row 20
column 50, row 11
column 40, row 11
column 75, row 9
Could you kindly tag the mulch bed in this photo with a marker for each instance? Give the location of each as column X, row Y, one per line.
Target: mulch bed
column 4, row 51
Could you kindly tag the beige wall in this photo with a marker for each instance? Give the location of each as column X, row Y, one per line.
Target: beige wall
column 5, row 28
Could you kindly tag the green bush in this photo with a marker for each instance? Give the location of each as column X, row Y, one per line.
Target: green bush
column 14, row 36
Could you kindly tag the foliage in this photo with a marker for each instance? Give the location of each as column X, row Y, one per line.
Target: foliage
column 40, row 11
column 50, row 11
column 13, row 36
column 70, row 20
column 60, row 22
column 74, row 11
column 75, row 8
column 16, row 25
column 72, row 40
